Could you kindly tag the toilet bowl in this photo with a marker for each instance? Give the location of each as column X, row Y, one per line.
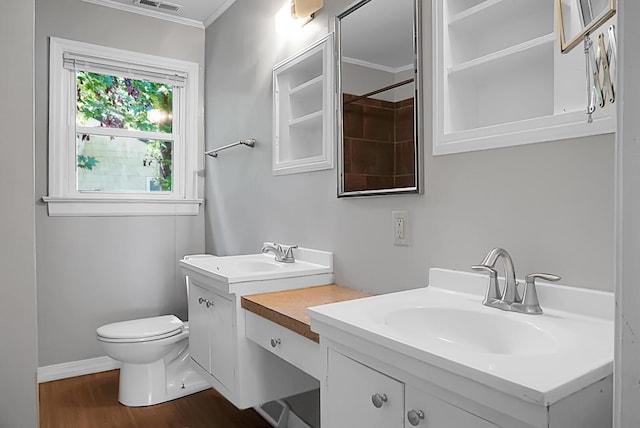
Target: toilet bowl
column 154, row 356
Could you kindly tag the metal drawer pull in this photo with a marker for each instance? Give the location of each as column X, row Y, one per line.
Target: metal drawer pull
column 415, row 416
column 378, row 400
column 275, row 342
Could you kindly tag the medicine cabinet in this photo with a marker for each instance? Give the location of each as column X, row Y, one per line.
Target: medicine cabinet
column 501, row 80
column 303, row 110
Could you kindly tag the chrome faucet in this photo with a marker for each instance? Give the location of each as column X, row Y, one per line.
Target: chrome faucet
column 510, row 292
column 509, row 299
column 282, row 253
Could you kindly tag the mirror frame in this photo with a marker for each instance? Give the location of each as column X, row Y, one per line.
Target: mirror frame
column 566, row 46
column 417, row 109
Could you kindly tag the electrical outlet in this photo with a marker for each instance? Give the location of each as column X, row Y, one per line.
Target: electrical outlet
column 400, row 227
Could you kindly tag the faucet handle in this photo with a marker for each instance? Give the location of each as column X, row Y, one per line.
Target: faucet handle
column 530, row 303
column 287, row 251
column 493, row 291
column 531, row 278
column 484, row 268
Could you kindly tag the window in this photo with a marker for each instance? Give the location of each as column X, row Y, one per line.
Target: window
column 123, row 132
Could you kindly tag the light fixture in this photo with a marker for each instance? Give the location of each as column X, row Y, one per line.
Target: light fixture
column 295, row 14
column 305, row 9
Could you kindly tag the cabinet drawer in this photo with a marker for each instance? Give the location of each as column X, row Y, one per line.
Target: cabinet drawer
column 291, row 347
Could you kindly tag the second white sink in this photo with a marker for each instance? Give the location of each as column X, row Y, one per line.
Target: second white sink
column 259, row 267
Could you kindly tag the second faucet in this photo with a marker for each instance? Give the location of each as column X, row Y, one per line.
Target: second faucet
column 282, row 253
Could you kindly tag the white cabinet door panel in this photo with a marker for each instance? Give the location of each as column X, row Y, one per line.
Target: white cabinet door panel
column 211, row 331
column 198, row 328
column 222, row 344
column 437, row 413
column 351, row 387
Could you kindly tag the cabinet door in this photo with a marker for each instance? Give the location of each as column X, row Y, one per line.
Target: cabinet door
column 199, row 327
column 358, row 396
column 426, row 411
column 223, row 349
column 211, row 330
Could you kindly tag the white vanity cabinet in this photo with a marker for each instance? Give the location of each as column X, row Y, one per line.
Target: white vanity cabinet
column 500, row 79
column 244, row 373
column 240, row 370
column 354, row 392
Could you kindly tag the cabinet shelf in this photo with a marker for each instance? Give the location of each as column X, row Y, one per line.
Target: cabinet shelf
column 312, row 85
column 307, row 121
column 490, row 10
column 496, row 60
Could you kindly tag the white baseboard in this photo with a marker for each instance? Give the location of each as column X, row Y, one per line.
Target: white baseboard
column 76, row 368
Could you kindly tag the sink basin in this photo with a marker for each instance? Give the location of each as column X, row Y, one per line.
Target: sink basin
column 258, row 267
column 472, row 331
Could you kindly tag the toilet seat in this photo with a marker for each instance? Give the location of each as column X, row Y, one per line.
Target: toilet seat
column 141, row 330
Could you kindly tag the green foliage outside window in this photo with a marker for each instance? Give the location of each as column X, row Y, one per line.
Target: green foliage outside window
column 116, row 102
column 87, row 162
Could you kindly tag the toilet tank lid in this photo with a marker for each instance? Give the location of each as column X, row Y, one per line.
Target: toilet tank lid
column 141, row 328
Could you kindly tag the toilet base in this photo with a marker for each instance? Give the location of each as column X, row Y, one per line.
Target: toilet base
column 149, row 384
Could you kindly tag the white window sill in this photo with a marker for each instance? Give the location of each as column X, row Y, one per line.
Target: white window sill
column 101, row 207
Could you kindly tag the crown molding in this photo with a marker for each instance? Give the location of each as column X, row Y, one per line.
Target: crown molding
column 218, row 12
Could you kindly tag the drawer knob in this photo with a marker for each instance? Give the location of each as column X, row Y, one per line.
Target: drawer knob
column 415, row 416
column 275, row 342
column 378, row 400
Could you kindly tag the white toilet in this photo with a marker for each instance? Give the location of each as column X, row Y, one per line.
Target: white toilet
column 154, row 353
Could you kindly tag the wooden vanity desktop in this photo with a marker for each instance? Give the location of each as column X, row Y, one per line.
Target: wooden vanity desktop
column 278, row 322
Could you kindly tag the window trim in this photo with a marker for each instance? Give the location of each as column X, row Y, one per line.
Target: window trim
column 63, row 198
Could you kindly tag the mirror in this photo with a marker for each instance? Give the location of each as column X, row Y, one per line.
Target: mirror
column 378, row 88
column 577, row 18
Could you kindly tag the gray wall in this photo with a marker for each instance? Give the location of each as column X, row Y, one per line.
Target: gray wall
column 549, row 204
column 18, row 325
column 93, row 270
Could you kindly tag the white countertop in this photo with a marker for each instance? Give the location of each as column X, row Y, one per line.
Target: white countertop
column 578, row 323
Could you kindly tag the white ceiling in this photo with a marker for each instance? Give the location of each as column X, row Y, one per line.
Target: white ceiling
column 200, row 13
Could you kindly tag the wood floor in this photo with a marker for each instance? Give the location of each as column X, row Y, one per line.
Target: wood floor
column 92, row 402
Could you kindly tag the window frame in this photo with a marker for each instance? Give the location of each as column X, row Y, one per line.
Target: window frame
column 64, row 199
